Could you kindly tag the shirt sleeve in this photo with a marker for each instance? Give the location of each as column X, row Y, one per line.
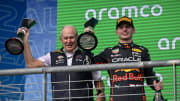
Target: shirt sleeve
column 148, row 72
column 102, row 57
column 46, row 59
column 96, row 75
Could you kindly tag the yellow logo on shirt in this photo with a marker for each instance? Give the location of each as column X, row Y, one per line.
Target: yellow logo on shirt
column 136, row 50
column 128, row 70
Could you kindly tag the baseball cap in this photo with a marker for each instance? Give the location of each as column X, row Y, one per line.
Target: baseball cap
column 125, row 20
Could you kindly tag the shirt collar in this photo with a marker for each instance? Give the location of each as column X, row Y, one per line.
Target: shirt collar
column 126, row 45
column 69, row 52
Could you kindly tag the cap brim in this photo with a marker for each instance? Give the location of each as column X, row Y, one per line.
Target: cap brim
column 124, row 22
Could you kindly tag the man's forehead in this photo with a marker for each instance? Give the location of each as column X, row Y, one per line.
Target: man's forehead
column 68, row 34
column 124, row 24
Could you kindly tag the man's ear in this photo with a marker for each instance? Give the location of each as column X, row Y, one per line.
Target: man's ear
column 117, row 33
column 133, row 31
column 60, row 39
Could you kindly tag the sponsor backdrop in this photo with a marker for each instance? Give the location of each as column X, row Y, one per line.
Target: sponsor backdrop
column 11, row 14
column 156, row 25
column 42, row 40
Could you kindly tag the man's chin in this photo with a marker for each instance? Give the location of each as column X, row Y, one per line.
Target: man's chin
column 69, row 49
column 124, row 38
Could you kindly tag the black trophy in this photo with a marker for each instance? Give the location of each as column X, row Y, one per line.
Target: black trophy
column 15, row 45
column 87, row 40
column 158, row 96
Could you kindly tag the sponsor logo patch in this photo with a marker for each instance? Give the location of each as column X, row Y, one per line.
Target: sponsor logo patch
column 115, row 50
column 78, row 58
column 60, row 59
column 136, row 50
column 127, row 76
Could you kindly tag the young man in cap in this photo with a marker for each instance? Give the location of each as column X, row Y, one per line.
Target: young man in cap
column 128, row 84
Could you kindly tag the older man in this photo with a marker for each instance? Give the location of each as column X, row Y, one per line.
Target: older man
column 68, row 86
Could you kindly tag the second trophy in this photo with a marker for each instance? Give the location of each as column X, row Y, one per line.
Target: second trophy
column 87, row 40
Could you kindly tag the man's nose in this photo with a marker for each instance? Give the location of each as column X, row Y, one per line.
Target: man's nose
column 68, row 40
column 124, row 28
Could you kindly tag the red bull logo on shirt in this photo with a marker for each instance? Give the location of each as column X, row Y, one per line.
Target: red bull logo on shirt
column 127, row 76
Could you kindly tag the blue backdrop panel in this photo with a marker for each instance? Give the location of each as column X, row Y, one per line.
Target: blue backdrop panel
column 42, row 40
column 11, row 15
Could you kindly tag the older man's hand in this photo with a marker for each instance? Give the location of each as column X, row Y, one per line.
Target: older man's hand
column 100, row 97
column 158, row 85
